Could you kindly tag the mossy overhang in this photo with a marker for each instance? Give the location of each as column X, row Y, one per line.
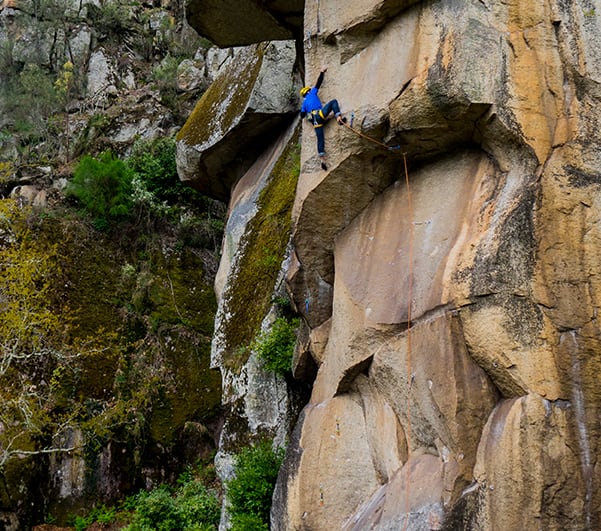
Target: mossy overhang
column 241, row 22
column 241, row 113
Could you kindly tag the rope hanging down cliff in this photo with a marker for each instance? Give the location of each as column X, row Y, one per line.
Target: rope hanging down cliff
column 409, row 353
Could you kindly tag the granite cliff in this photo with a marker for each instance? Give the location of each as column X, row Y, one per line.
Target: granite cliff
column 448, row 288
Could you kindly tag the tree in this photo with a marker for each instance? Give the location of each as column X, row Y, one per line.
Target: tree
column 30, row 332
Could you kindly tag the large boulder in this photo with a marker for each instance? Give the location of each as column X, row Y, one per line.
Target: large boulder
column 456, row 275
column 446, row 267
column 245, row 108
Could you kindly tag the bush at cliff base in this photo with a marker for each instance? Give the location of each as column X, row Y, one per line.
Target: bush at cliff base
column 192, row 507
column 249, row 493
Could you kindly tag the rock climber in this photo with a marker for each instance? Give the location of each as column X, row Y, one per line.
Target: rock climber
column 318, row 114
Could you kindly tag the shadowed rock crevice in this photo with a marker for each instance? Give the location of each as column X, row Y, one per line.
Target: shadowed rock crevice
column 243, row 22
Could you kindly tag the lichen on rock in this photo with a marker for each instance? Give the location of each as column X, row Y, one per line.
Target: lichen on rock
column 246, row 107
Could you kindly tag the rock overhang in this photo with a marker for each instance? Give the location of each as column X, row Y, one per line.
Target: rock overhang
column 242, row 22
column 247, row 106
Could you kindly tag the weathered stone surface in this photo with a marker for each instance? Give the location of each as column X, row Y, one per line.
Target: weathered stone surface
column 490, row 256
column 449, row 288
column 412, row 499
column 236, row 23
column 190, row 75
column 258, row 402
column 334, row 439
column 244, row 108
column 525, row 462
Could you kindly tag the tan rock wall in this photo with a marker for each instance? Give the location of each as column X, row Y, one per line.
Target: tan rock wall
column 451, row 322
column 467, row 302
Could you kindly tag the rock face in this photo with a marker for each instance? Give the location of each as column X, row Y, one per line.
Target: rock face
column 112, row 53
column 449, row 289
column 242, row 111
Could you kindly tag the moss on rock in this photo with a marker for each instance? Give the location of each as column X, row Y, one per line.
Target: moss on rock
column 123, row 353
column 224, row 101
column 250, row 293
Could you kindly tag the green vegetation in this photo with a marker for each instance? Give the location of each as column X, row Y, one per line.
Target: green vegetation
column 106, row 333
column 276, row 346
column 104, row 188
column 153, row 163
column 145, row 187
column 39, row 85
column 111, row 19
column 190, row 506
column 28, row 95
column 164, row 77
column 101, row 515
column 264, row 248
column 250, row 492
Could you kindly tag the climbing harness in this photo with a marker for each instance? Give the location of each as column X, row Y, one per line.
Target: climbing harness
column 315, row 117
column 369, row 138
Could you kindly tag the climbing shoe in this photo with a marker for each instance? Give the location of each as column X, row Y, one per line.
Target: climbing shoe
column 324, row 166
column 341, row 120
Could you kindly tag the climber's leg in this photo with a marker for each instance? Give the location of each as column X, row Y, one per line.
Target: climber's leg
column 333, row 107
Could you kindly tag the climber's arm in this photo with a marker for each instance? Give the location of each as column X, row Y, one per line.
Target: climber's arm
column 320, row 78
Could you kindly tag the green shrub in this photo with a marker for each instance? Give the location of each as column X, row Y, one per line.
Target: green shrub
column 158, row 191
column 276, row 346
column 112, row 18
column 101, row 514
column 248, row 522
column 192, row 507
column 154, row 164
column 249, row 493
column 156, row 509
column 197, row 505
column 164, row 77
column 103, row 186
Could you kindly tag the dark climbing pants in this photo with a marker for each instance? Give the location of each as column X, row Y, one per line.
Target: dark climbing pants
column 331, row 106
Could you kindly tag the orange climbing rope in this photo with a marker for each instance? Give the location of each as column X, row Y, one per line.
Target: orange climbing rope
column 409, row 361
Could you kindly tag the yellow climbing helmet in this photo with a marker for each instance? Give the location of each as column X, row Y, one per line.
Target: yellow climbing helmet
column 304, row 91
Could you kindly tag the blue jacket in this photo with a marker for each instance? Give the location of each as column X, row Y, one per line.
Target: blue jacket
column 311, row 101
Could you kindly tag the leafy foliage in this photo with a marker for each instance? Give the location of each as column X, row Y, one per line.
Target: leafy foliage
column 158, row 191
column 101, row 514
column 190, row 507
column 276, row 346
column 249, row 493
column 111, row 18
column 103, row 186
column 28, row 96
column 105, row 336
column 154, row 164
column 165, row 76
